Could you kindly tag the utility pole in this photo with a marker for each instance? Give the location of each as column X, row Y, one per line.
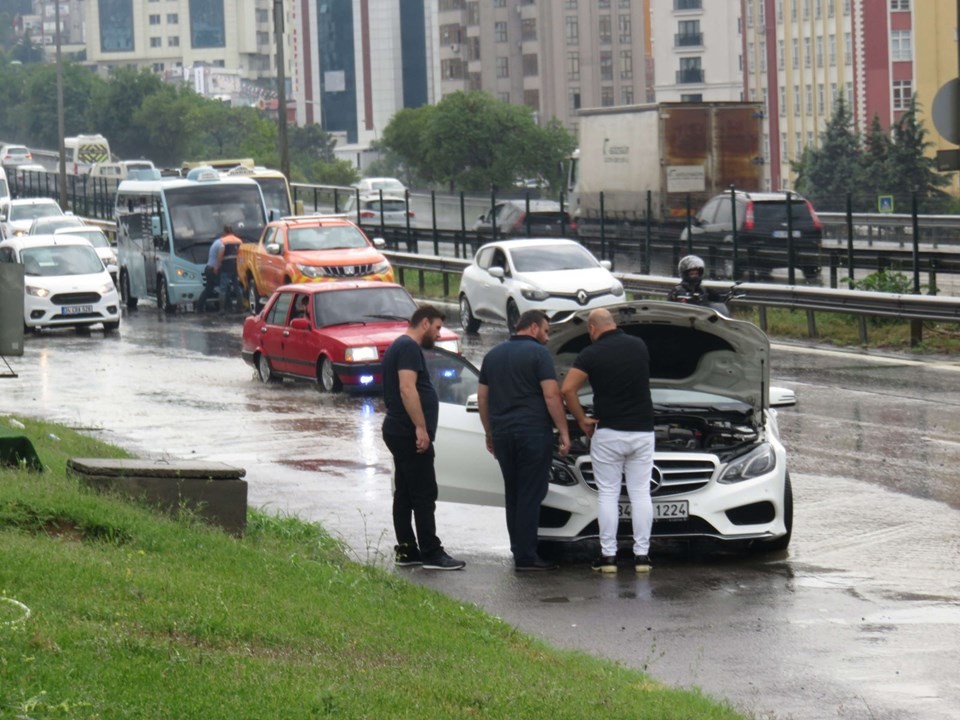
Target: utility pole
column 62, row 183
column 281, row 90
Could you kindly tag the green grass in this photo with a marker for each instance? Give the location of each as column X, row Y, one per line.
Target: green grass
column 137, row 615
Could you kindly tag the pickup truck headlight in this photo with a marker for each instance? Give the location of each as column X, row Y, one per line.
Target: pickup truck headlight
column 310, row 271
column 37, row 291
column 449, row 345
column 366, row 353
column 381, row 267
column 759, row 461
column 534, row 293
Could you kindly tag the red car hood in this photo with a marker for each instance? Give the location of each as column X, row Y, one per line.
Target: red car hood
column 380, row 334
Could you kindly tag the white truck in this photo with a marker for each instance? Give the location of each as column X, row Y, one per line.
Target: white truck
column 674, row 150
column 83, row 151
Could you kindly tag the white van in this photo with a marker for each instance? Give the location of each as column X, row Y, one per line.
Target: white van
column 4, row 189
column 126, row 170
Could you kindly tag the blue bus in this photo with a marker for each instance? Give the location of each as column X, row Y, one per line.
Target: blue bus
column 165, row 228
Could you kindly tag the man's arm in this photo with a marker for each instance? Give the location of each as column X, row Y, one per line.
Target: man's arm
column 551, row 396
column 571, row 388
column 219, row 258
column 411, row 403
column 483, row 404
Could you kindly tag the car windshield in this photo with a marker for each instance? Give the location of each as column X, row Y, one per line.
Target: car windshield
column 4, row 190
column 57, row 260
column 319, row 237
column 388, row 205
column 373, row 304
column 49, row 224
column 17, row 151
column 275, row 195
column 774, row 213
column 548, row 258
column 33, row 211
column 199, row 213
column 387, row 184
column 96, row 237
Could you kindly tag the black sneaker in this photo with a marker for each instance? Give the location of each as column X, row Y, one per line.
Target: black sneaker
column 642, row 563
column 441, row 561
column 605, row 564
column 536, row 565
column 407, row 555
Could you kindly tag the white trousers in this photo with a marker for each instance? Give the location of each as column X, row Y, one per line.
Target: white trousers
column 615, row 454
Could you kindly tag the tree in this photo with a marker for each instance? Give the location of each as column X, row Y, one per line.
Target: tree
column 311, row 142
column 115, row 103
column 912, row 169
column 826, row 174
column 40, row 103
column 876, row 170
column 165, row 119
column 404, row 144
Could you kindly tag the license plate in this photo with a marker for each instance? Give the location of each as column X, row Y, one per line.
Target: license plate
column 76, row 309
column 679, row 510
column 782, row 234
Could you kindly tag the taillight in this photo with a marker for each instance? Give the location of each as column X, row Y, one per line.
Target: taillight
column 748, row 223
column 411, row 214
column 573, row 227
column 817, row 225
column 520, row 221
column 367, row 214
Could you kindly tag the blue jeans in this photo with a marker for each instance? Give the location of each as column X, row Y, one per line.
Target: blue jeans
column 525, row 457
column 229, row 288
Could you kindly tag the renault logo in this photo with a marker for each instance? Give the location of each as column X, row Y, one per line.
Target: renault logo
column 656, row 479
column 582, row 297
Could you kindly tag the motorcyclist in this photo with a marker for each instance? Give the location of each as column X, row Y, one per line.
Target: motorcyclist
column 690, row 290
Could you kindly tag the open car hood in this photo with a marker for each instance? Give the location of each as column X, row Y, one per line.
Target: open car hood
column 690, row 347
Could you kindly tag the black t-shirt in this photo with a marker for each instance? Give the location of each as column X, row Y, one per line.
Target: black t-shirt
column 405, row 354
column 513, row 371
column 618, row 366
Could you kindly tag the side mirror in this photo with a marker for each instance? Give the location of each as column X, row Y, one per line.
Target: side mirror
column 379, row 243
column 272, row 249
column 300, row 324
column 275, row 214
column 606, row 265
column 497, row 272
column 782, row 397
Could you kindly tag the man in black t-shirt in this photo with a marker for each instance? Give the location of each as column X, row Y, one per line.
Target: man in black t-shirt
column 621, row 432
column 409, row 430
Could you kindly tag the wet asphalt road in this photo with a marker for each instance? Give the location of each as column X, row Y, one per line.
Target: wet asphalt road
column 861, row 619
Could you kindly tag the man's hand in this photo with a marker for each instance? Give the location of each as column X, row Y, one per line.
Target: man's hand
column 423, row 440
column 564, row 444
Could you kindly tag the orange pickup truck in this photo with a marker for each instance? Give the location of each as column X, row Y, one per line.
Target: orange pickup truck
column 308, row 249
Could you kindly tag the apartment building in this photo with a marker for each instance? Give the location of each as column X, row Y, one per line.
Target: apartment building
column 554, row 56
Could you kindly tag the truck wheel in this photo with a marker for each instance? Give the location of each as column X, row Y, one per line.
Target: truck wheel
column 253, row 297
column 129, row 301
column 327, row 378
column 467, row 321
column 513, row 316
column 163, row 296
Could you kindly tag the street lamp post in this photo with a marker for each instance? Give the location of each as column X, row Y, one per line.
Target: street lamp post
column 281, row 90
column 62, row 179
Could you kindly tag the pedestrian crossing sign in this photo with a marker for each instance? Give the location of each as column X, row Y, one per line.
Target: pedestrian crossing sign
column 885, row 203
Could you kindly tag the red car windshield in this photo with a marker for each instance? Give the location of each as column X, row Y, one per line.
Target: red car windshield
column 363, row 305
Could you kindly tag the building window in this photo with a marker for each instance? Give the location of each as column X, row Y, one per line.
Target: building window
column 846, row 8
column 691, row 97
column 624, row 4
column 154, row 19
column 572, row 29
column 763, row 56
column 156, row 42
column 902, row 5
column 690, row 71
column 450, row 34
column 570, row 4
column 816, row 8
column 606, row 96
column 207, row 24
column 500, row 32
column 606, row 65
column 687, row 4
column 900, row 45
column 626, row 29
column 499, row 3
column 798, row 139
column 574, row 97
column 783, row 101
column 795, row 53
column 783, row 146
column 503, row 97
column 820, row 98
column 833, row 50
column 452, row 69
column 158, row 67
column 531, row 98
column 806, row 9
column 603, row 4
column 902, row 94
column 796, row 100
column 847, row 49
column 626, row 64
column 806, row 52
column 475, row 81
column 573, row 66
column 688, row 34
column 503, row 67
column 606, row 29
column 473, row 13
column 833, row 95
column 626, row 95
column 173, row 41
column 530, row 65
column 830, row 10
column 451, row 5
column 780, row 54
column 263, row 16
column 528, row 29
column 173, row 19
column 809, row 97
column 819, row 51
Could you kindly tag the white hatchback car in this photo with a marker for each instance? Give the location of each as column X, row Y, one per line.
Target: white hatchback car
column 510, row 277
column 18, row 215
column 719, row 467
column 391, row 210
column 66, row 283
column 376, row 184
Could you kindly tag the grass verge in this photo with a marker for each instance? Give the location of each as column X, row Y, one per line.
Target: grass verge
column 109, row 610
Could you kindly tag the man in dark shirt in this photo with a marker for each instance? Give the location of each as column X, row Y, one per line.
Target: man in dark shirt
column 409, row 430
column 519, row 403
column 621, row 431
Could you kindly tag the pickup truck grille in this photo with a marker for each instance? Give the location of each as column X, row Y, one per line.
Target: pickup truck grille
column 675, row 476
column 347, row 271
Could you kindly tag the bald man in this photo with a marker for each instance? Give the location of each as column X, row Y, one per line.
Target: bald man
column 621, row 431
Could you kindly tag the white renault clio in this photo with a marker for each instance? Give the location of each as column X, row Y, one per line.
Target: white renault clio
column 719, row 466
column 65, row 282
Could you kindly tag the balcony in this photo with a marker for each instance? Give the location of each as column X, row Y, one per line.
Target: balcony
column 688, row 39
column 689, row 76
column 687, row 4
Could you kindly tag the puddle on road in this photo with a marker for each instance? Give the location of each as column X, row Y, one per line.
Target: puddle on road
column 332, row 466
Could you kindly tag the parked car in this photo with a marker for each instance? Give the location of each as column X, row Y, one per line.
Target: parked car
column 391, row 210
column 11, row 155
column 332, row 333
column 66, row 283
column 761, row 230
column 720, row 468
column 509, row 277
column 372, row 185
column 101, row 244
column 17, row 216
column 305, row 249
column 511, row 218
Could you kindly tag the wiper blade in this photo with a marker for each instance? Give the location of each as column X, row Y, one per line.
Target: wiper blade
column 387, row 317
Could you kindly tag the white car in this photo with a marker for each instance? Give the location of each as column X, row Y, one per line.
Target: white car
column 373, row 185
column 391, row 210
column 719, row 467
column 510, row 277
column 101, row 244
column 17, row 216
column 66, row 283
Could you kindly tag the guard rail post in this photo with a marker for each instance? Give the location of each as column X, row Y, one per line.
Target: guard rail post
column 526, row 210
column 603, row 229
column 645, row 266
column 433, row 211
column 791, row 270
column 493, row 213
column 932, row 287
column 733, row 215
column 916, row 326
column 862, row 328
column 850, row 280
column 563, row 215
column 834, row 264
column 463, row 221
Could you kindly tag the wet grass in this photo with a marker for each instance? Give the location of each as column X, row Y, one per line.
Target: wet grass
column 110, row 610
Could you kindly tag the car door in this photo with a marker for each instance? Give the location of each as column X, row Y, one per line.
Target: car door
column 272, row 266
column 300, row 346
column 466, row 471
column 274, row 333
column 491, row 295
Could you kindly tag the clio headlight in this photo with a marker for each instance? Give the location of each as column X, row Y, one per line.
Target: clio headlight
column 530, row 292
column 449, row 345
column 759, row 461
column 366, row 353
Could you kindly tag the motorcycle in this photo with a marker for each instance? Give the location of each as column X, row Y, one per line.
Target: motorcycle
column 715, row 301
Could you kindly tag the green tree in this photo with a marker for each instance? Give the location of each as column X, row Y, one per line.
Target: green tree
column 912, row 169
column 26, row 51
column 40, row 103
column 404, row 145
column 114, row 105
column 310, row 142
column 827, row 173
column 876, row 171
column 165, row 119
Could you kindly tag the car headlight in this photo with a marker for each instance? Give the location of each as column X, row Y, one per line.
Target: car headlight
column 533, row 293
column 381, row 267
column 310, row 271
column 184, row 273
column 37, row 291
column 616, row 289
column 759, row 461
column 18, row 233
column 366, row 353
column 107, row 288
column 449, row 345
column 110, row 258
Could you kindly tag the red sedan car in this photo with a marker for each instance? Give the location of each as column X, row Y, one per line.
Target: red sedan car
column 332, row 333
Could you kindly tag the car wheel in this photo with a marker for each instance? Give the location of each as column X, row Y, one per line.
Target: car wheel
column 163, row 296
column 513, row 316
column 264, row 371
column 128, row 300
column 253, row 297
column 327, row 378
column 783, row 542
column 467, row 321
column 811, row 273
column 109, row 327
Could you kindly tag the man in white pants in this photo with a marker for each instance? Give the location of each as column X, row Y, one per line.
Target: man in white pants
column 621, row 432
